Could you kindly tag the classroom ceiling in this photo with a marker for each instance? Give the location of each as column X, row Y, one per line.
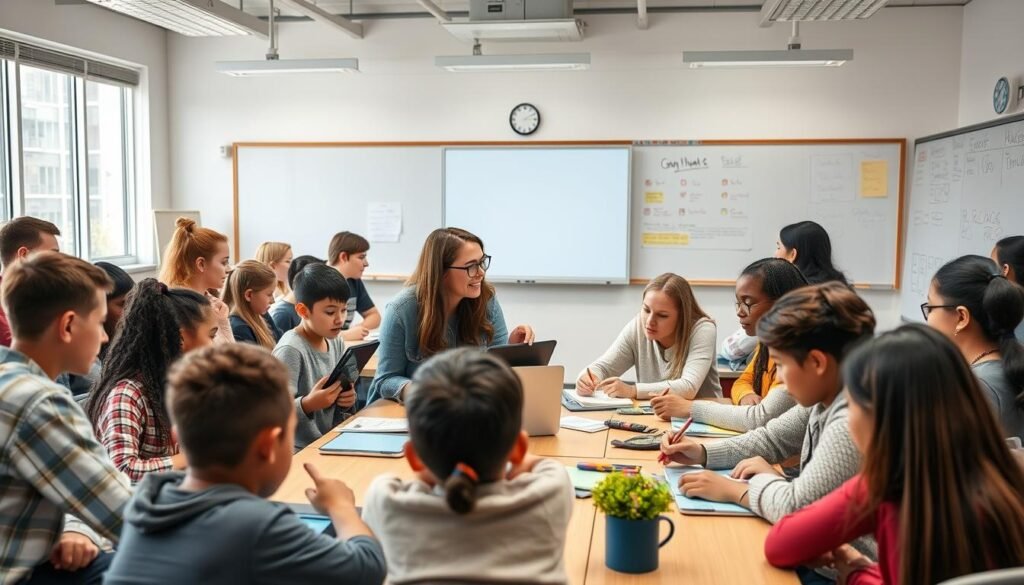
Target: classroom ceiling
column 380, row 8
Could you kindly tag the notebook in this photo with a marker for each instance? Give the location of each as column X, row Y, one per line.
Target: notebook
column 703, row 430
column 571, row 400
column 697, row 506
column 366, row 444
column 372, row 424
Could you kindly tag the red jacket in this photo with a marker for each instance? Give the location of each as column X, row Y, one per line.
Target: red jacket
column 832, row 521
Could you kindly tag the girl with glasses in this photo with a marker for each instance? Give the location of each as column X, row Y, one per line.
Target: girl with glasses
column 446, row 303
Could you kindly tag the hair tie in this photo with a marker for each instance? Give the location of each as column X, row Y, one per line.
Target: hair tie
column 463, row 469
column 992, row 277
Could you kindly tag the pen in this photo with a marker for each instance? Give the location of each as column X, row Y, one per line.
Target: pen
column 662, row 458
column 607, row 467
column 591, row 375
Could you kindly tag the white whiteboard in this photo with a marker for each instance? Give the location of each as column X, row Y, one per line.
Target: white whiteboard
column 303, row 195
column 546, row 215
column 706, row 211
column 967, row 193
column 165, row 222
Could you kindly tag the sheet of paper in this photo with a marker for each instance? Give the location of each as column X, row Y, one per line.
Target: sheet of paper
column 874, row 178
column 578, row 423
column 370, row 424
column 698, row 505
column 599, row 398
column 584, row 480
column 383, row 221
column 702, row 430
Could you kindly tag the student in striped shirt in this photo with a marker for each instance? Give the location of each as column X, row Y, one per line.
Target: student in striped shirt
column 51, row 465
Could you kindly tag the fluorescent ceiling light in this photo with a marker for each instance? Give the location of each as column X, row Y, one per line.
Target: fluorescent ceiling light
column 564, row 62
column 192, row 18
column 750, row 59
column 807, row 10
column 287, row 66
column 568, row 29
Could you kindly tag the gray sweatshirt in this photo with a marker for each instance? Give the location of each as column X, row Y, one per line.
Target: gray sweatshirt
column 632, row 349
column 226, row 535
column 743, row 417
column 1001, row 395
column 515, row 533
column 306, row 366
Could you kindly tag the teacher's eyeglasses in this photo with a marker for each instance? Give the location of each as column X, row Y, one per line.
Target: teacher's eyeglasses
column 475, row 268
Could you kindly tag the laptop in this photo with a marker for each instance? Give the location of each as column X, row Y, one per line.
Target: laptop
column 524, row 354
column 542, row 398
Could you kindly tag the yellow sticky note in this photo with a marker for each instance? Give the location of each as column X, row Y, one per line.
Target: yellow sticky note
column 654, row 239
column 874, row 178
column 654, row 197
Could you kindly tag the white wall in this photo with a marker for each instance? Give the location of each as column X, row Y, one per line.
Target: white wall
column 107, row 34
column 992, row 48
column 903, row 82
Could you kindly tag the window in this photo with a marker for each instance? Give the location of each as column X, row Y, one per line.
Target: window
column 66, row 148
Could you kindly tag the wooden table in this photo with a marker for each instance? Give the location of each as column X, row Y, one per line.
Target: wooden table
column 705, row 549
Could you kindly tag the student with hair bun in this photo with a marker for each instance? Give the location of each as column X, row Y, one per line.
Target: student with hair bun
column 976, row 306
column 197, row 258
column 480, row 504
column 1008, row 253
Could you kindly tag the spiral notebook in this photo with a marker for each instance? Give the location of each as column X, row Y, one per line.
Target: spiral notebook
column 697, row 506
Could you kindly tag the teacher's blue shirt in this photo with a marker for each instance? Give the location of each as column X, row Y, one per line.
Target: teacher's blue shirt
column 399, row 353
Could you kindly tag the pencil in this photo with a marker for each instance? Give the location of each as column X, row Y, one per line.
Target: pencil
column 675, row 439
column 591, row 375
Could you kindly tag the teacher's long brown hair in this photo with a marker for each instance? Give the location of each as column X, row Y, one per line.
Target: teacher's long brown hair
column 937, row 450
column 439, row 251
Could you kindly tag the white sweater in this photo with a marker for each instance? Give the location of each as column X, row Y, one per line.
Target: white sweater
column 632, row 349
column 515, row 533
column 743, row 417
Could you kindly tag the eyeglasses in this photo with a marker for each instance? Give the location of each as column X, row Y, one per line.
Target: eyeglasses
column 927, row 309
column 747, row 306
column 474, row 268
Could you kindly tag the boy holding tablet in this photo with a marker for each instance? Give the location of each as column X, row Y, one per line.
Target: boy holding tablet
column 313, row 349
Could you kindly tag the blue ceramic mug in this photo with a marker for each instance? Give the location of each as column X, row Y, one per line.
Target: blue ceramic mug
column 631, row 546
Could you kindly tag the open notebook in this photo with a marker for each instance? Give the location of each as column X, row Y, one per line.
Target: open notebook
column 702, row 430
column 571, row 400
column 697, row 506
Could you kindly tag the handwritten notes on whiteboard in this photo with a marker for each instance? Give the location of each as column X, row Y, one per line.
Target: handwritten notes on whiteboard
column 698, row 202
column 383, row 222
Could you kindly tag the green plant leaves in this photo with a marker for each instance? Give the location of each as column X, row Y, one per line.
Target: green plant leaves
column 633, row 497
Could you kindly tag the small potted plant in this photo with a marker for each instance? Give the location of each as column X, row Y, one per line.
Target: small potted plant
column 632, row 504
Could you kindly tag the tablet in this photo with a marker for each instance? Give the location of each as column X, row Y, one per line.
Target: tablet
column 524, row 354
column 366, row 444
column 352, row 362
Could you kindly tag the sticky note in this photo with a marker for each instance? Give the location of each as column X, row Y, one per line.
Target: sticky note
column 874, row 178
column 654, row 197
column 654, row 239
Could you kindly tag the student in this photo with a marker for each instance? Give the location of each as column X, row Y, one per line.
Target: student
column 52, row 463
column 671, row 343
column 808, row 333
column 807, row 245
column 977, row 307
column 347, row 255
column 197, row 258
column 249, row 292
column 116, row 298
column 278, row 257
column 758, row 392
column 1008, row 253
column 313, row 349
column 19, row 237
column 480, row 505
column 283, row 310
column 446, row 303
column 126, row 405
column 212, row 524
column 939, row 489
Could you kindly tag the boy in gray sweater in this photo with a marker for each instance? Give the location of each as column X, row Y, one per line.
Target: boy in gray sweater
column 212, row 523
column 313, row 349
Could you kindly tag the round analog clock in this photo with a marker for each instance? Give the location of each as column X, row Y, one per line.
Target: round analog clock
column 1001, row 95
column 524, row 119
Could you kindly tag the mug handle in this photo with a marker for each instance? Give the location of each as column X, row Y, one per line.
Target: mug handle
column 671, row 530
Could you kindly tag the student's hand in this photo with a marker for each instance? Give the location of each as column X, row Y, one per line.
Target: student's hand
column 525, row 466
column 848, row 560
column 220, row 309
column 750, row 400
column 584, row 385
column 321, row 397
column 355, row 333
column 711, row 486
column 748, row 468
column 73, row 551
column 616, row 388
column 332, row 497
column 347, row 398
column 686, row 451
column 178, row 461
column 671, row 405
column 521, row 334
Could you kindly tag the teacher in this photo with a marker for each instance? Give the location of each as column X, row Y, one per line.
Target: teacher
column 446, row 303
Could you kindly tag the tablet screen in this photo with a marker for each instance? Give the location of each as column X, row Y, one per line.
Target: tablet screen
column 317, row 524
